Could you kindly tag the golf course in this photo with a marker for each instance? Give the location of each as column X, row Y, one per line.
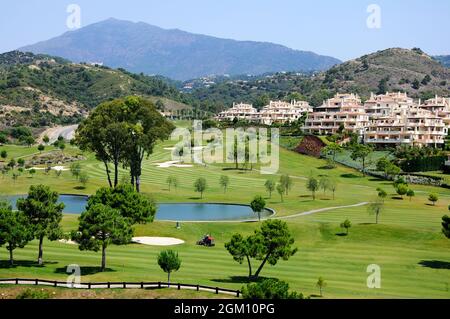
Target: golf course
column 407, row 243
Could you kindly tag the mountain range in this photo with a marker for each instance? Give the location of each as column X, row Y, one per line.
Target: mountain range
column 141, row 47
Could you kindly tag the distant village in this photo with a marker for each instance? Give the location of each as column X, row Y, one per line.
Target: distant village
column 386, row 120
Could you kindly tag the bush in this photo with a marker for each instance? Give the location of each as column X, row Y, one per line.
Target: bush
column 33, row 294
column 269, row 289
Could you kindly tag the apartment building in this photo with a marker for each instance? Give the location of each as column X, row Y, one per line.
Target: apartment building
column 342, row 111
column 385, row 104
column 240, row 111
column 439, row 105
column 275, row 112
column 283, row 112
column 412, row 126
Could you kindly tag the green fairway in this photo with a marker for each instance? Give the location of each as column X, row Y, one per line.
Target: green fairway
column 407, row 244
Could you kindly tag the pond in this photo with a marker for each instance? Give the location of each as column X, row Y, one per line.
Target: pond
column 170, row 211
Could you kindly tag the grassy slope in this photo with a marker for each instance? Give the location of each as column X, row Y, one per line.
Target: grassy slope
column 407, row 244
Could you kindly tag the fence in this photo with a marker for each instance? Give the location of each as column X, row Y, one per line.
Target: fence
column 116, row 285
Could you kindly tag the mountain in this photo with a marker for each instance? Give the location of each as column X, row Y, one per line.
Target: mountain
column 140, row 47
column 395, row 69
column 443, row 59
column 40, row 90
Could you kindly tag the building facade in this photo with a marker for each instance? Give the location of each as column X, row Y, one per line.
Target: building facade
column 343, row 111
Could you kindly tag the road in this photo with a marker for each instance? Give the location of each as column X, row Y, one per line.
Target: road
column 67, row 132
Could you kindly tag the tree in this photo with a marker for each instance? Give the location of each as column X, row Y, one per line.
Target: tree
column 361, row 151
column 123, row 131
column 333, row 186
column 392, row 170
column 258, row 204
column 29, row 140
column 224, row 182
column 3, row 154
column 268, row 244
column 21, row 162
column 61, row 146
column 75, row 170
column 433, row 198
column 58, row 172
column 383, row 86
column 324, row 183
column 333, row 149
column 410, row 193
column 346, row 224
column 381, row 194
column 446, row 226
column 172, row 181
column 135, row 207
column 46, row 139
column 321, row 284
column 83, row 177
column 269, row 289
column 200, row 186
column 426, row 80
column 287, row 182
column 41, row 147
column 416, row 84
column 169, row 261
column 376, row 208
column 270, row 186
column 281, row 190
column 32, row 171
column 312, row 185
column 43, row 213
column 99, row 226
column 402, row 189
column 15, row 231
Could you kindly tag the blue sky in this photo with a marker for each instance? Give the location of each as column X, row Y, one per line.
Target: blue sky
column 330, row 27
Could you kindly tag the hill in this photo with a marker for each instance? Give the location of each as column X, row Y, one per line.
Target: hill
column 141, row 47
column 40, row 90
column 443, row 59
column 410, row 71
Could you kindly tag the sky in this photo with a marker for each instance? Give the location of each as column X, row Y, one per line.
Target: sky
column 344, row 29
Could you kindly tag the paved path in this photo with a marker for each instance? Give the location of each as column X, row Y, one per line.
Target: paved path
column 322, row 210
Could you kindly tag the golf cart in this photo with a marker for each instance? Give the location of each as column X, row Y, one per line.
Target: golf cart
column 207, row 241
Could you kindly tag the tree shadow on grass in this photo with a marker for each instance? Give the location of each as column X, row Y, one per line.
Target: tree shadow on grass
column 79, row 187
column 350, row 175
column 240, row 279
column 326, row 167
column 435, row 264
column 24, row 263
column 194, row 198
column 87, row 270
column 341, row 234
column 397, row 197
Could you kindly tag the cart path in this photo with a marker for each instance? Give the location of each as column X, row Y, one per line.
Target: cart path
column 314, row 211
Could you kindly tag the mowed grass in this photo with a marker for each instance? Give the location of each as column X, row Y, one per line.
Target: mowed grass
column 407, row 244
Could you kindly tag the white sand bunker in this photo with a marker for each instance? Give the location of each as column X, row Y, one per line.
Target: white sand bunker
column 158, row 241
column 56, row 168
column 67, row 241
column 172, row 164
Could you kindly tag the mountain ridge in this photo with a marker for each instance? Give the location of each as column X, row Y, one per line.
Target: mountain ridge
column 141, row 47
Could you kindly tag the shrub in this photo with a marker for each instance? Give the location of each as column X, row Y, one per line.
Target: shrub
column 33, row 294
column 269, row 289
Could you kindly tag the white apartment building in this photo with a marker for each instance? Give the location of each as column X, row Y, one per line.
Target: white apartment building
column 283, row 112
column 385, row 104
column 439, row 105
column 240, row 111
column 343, row 110
column 412, row 126
column 275, row 112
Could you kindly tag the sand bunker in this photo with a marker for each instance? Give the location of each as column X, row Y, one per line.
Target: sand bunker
column 158, row 241
column 172, row 164
column 152, row 241
column 56, row 168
